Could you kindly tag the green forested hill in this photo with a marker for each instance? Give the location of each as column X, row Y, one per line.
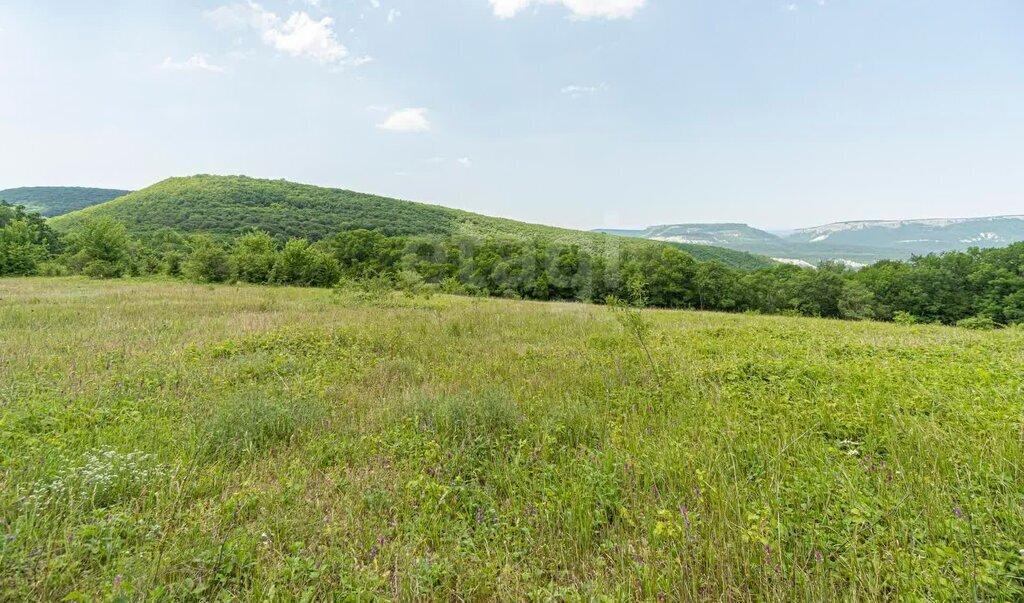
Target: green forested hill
column 231, row 205
column 51, row 201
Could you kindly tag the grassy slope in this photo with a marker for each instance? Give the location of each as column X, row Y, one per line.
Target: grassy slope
column 230, row 205
column 314, row 442
column 53, row 201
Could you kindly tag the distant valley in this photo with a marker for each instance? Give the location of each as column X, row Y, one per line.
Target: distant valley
column 854, row 243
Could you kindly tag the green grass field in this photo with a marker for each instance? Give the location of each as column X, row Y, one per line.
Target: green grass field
column 181, row 442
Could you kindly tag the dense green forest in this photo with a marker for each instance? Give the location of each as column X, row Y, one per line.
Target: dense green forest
column 977, row 288
column 51, row 201
column 228, row 206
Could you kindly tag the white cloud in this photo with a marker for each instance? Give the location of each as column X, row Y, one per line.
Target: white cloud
column 393, row 14
column 407, row 120
column 578, row 91
column 583, row 9
column 465, row 161
column 300, row 35
column 197, row 62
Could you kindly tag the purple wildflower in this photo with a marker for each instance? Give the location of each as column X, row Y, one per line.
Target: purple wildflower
column 686, row 514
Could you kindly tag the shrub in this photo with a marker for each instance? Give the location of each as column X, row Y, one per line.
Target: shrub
column 253, row 256
column 453, row 286
column 324, row 270
column 207, row 263
column 409, row 281
column 172, row 263
column 52, row 269
column 301, row 264
column 103, row 269
column 904, row 318
column 100, row 248
column 856, row 302
column 20, row 255
column 977, row 323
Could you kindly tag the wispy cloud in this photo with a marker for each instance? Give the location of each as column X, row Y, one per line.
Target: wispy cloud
column 300, row 35
column 576, row 91
column 197, row 62
column 582, row 9
column 413, row 119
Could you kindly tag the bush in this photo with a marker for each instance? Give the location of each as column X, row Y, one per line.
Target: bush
column 172, row 262
column 324, row 270
column 100, row 248
column 301, row 264
column 52, row 269
column 103, row 269
column 208, row 262
column 977, row 323
column 856, row 302
column 904, row 318
column 409, row 282
column 453, row 286
column 19, row 254
column 253, row 257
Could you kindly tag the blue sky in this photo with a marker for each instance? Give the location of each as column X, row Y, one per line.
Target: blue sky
column 579, row 113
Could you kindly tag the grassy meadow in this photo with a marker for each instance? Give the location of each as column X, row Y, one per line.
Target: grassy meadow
column 167, row 441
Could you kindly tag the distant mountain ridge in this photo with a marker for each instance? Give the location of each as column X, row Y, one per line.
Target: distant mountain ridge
column 854, row 242
column 52, row 201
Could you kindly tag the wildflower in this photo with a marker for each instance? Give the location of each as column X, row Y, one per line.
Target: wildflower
column 117, row 581
column 686, row 515
column 818, row 556
column 959, row 513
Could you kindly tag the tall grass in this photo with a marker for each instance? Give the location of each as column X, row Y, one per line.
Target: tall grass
column 173, row 442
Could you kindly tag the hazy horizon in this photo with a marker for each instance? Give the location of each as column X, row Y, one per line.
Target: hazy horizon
column 576, row 113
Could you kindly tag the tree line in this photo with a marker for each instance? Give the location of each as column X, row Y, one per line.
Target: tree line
column 976, row 288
